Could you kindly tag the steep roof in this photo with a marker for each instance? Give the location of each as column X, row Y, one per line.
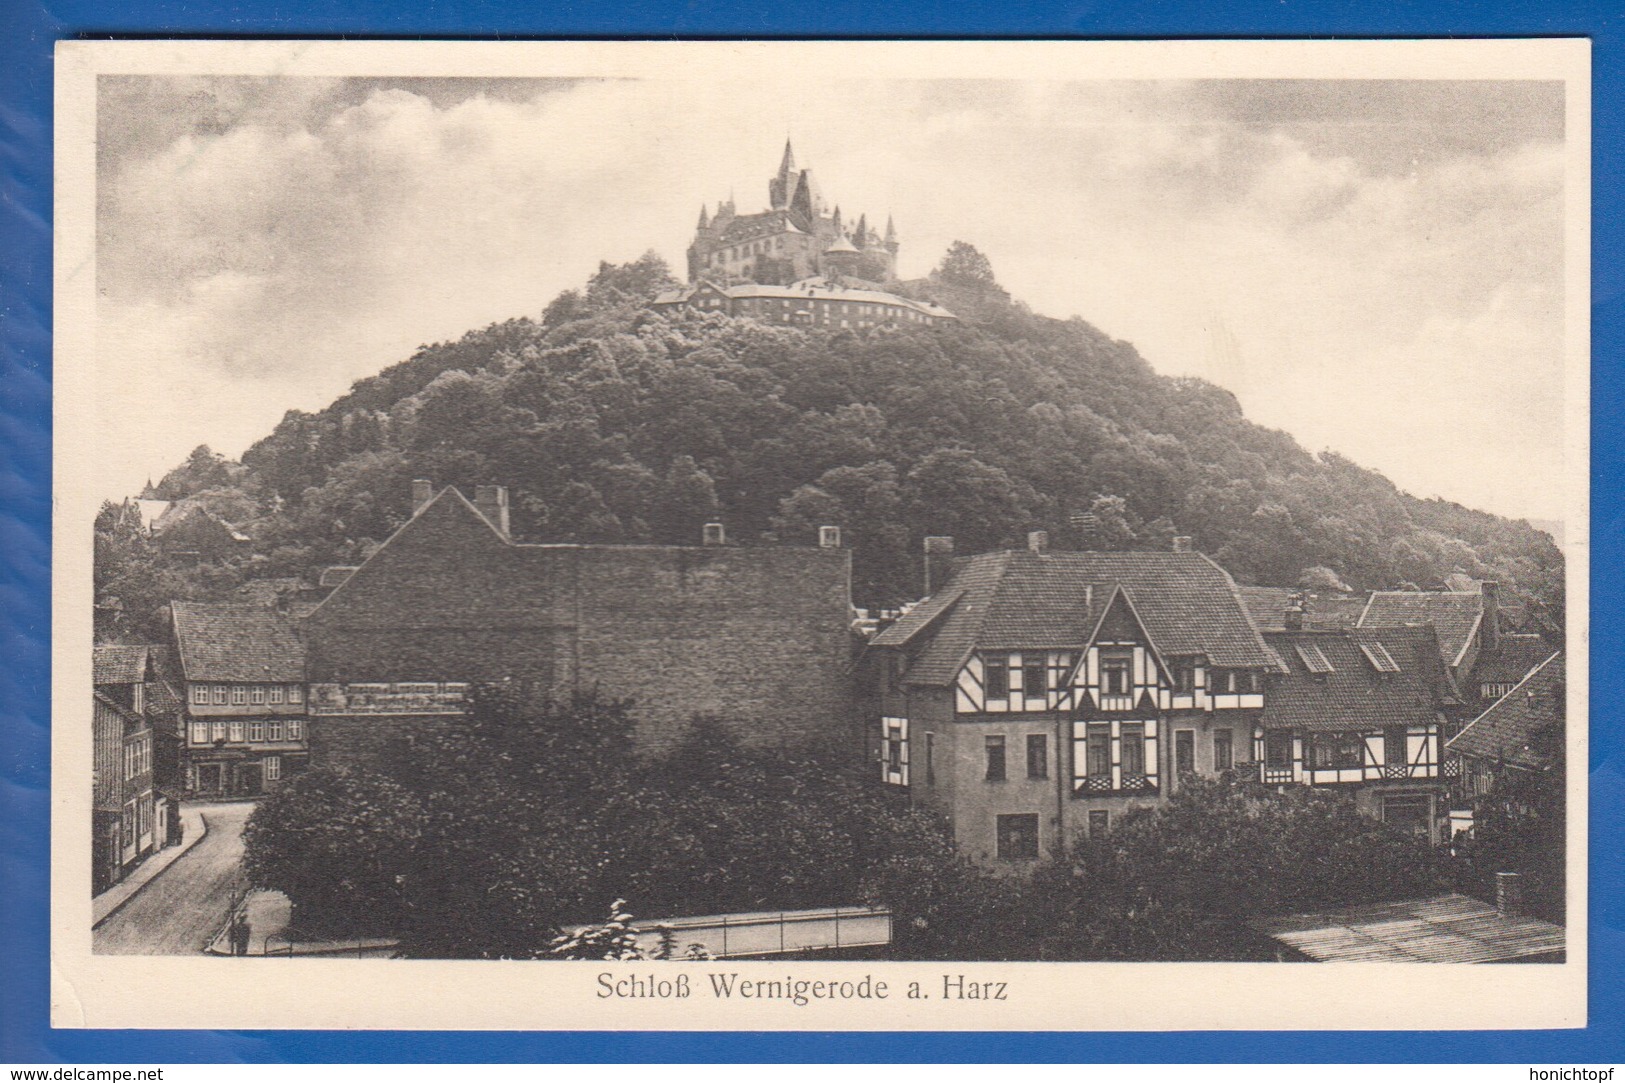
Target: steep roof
column 1354, row 696
column 119, row 665
column 1455, row 615
column 1524, row 728
column 1511, row 659
column 1018, row 600
column 1268, row 605
column 231, row 642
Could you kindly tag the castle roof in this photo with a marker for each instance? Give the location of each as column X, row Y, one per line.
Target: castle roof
column 841, row 244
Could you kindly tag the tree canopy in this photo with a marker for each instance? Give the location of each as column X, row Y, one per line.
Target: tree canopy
column 613, row 423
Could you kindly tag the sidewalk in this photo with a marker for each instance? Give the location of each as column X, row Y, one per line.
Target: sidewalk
column 269, row 916
column 193, row 828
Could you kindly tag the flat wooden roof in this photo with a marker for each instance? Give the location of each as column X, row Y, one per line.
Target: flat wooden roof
column 1444, row 929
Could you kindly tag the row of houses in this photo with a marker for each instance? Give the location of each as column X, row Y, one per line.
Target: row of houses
column 1033, row 695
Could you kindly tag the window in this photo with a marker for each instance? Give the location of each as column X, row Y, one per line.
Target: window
column 1335, row 750
column 1394, row 746
column 273, row 730
column 1184, row 752
column 296, row 730
column 256, row 731
column 930, row 759
column 1114, row 674
column 998, row 676
column 1100, row 822
column 272, row 766
column 1224, row 750
column 1018, row 837
column 1132, row 755
column 994, row 746
column 1278, row 748
column 200, row 693
column 1378, row 656
column 1098, row 760
column 127, row 822
column 218, row 732
column 1037, row 755
column 236, row 730
column 1314, row 659
column 1032, row 676
column 200, row 733
column 294, row 693
column 275, row 695
column 894, row 750
column 219, row 695
column 1184, row 674
column 256, row 694
column 239, row 696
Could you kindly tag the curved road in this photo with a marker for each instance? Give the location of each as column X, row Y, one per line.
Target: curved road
column 181, row 909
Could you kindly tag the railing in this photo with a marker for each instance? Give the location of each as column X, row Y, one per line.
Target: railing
column 1391, row 771
column 1452, row 766
column 1102, row 784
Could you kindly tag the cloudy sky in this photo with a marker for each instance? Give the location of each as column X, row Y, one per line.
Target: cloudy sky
column 1375, row 267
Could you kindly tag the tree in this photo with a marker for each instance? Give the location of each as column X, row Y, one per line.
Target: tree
column 964, row 265
column 1183, row 881
column 629, row 283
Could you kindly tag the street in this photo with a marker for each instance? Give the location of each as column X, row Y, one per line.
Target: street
column 185, row 905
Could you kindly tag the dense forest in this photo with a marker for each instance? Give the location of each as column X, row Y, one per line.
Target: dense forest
column 613, row 423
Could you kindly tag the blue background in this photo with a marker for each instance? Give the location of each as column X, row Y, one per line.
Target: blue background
column 28, row 31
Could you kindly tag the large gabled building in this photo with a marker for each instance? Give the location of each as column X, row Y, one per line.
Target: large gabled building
column 1038, row 694
column 758, row 637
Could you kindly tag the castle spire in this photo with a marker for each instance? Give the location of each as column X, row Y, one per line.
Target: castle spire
column 787, row 165
column 891, row 231
column 839, row 232
column 860, row 235
column 705, row 220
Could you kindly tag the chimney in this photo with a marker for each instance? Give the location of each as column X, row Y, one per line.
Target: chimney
column 714, row 534
column 1489, row 636
column 422, row 493
column 829, row 537
column 1182, row 543
column 1509, row 893
column 1038, row 541
column 1293, row 621
column 940, row 547
column 492, row 502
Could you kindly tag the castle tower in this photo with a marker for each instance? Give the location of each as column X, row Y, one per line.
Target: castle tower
column 782, row 188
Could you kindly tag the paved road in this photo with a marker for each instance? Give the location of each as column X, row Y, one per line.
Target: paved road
column 185, row 905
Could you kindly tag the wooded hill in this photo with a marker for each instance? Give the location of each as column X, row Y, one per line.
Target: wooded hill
column 611, row 423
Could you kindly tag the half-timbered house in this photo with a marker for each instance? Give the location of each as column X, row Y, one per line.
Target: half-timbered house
column 1039, row 694
column 1367, row 710
column 125, row 827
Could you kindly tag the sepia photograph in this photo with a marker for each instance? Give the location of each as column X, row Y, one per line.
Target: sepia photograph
column 808, row 529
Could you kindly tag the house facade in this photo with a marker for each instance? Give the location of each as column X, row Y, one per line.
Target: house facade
column 242, row 668
column 126, row 825
column 1038, row 695
column 812, row 302
column 1366, row 710
column 759, row 638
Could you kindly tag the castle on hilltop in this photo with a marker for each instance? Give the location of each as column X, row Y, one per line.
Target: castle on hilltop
column 796, row 238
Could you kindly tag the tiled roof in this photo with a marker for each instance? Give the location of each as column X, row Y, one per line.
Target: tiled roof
column 1353, row 696
column 1453, row 614
column 228, row 642
column 1511, row 660
column 1443, row 929
column 1523, row 728
column 119, row 665
column 1023, row 600
column 166, row 706
column 1268, row 605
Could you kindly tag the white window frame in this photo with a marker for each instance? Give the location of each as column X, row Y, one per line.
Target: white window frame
column 219, row 695
column 236, row 730
column 295, row 693
column 296, row 730
column 200, row 733
column 200, row 694
column 274, row 694
column 256, row 731
column 271, row 768
column 239, row 696
column 256, row 695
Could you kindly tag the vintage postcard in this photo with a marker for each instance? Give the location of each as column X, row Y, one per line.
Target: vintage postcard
column 821, row 535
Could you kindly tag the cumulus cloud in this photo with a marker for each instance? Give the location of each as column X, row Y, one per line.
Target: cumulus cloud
column 1358, row 278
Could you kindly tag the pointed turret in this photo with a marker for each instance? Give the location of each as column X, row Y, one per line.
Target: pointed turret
column 782, row 188
column 839, row 232
column 860, row 235
column 891, row 234
column 705, row 220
